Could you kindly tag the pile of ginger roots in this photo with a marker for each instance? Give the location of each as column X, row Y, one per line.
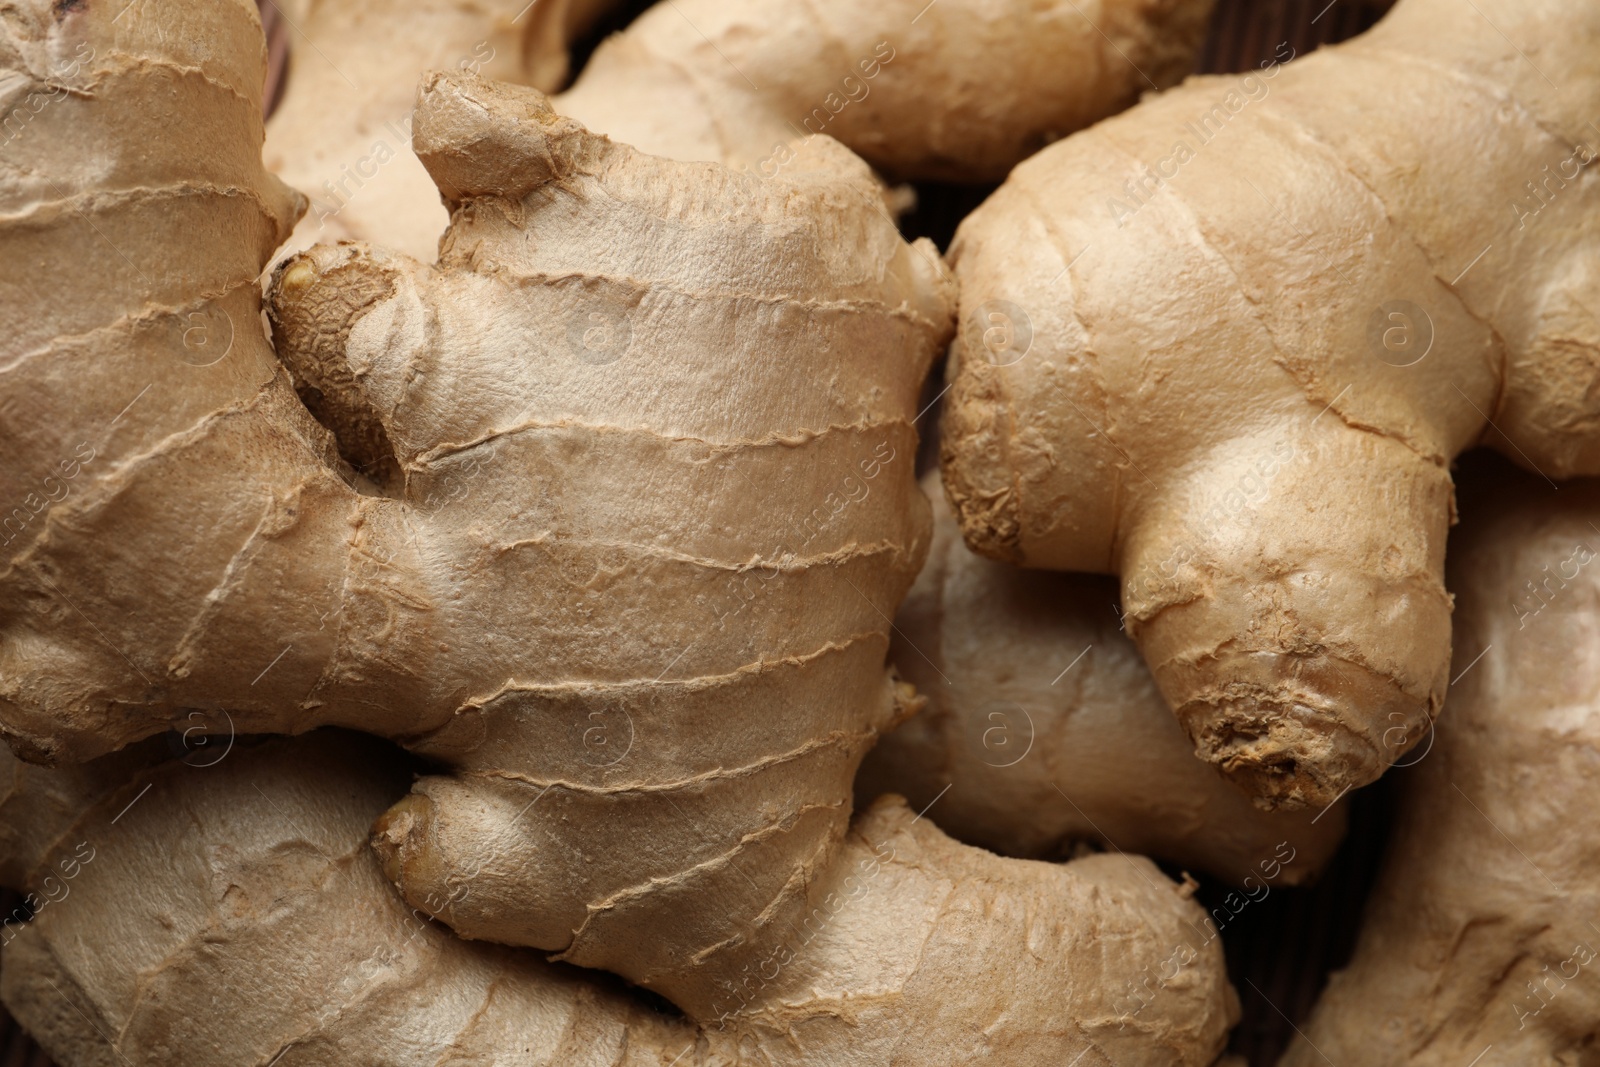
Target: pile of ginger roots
column 472, row 591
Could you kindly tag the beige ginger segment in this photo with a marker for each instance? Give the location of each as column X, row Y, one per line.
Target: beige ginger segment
column 1229, row 375
column 758, row 85
column 274, row 915
column 1475, row 941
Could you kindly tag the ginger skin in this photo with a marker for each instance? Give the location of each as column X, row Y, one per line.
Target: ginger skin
column 342, row 132
column 149, row 429
column 1480, row 930
column 275, row 916
column 918, row 90
column 742, row 355
column 643, row 628
column 1046, row 727
column 749, row 84
column 498, row 638
column 1241, row 392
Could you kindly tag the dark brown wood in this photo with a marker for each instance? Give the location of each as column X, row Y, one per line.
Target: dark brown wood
column 278, row 33
column 1245, row 33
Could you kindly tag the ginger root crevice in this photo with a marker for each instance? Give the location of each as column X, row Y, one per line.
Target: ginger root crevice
column 1043, row 729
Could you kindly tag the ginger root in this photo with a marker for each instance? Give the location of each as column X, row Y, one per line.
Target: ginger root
column 266, row 934
column 1480, row 936
column 342, row 132
column 739, row 358
column 711, row 81
column 145, row 416
column 671, row 682
column 262, row 930
column 1226, row 344
column 959, row 90
column 1043, row 727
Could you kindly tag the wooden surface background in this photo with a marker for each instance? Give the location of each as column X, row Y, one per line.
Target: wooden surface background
column 1280, row 949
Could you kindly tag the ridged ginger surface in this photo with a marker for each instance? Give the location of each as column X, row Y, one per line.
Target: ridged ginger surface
column 265, row 932
column 1226, row 344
